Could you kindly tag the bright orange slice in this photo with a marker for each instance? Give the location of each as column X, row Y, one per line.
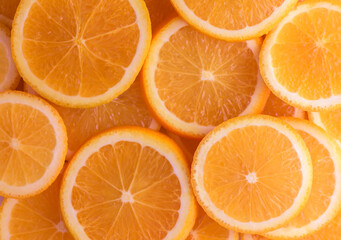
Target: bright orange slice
column 194, row 82
column 34, row 218
column 80, row 55
column 128, row 183
column 252, row 173
column 159, row 11
column 33, row 144
column 252, row 237
column 300, row 59
column 234, row 20
column 324, row 201
column 7, row 11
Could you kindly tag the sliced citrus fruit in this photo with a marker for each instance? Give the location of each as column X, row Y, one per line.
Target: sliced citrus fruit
column 252, row 173
column 159, row 11
column 207, row 229
column 128, row 183
column 325, row 198
column 277, row 108
column 9, row 76
column 33, row 144
column 194, row 82
column 7, row 11
column 234, row 20
column 300, row 58
column 34, row 218
column 80, row 55
column 252, row 237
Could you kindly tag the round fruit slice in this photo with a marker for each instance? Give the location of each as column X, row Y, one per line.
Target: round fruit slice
column 128, row 183
column 324, row 200
column 234, row 20
column 205, row 229
column 7, row 11
column 9, row 76
column 300, row 59
column 34, row 218
column 252, row 174
column 159, row 11
column 80, row 55
column 252, row 237
column 194, row 82
column 277, row 108
column 33, row 144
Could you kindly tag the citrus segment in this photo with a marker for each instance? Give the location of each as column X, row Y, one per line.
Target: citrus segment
column 7, row 11
column 252, row 173
column 128, row 183
column 159, row 11
column 194, row 82
column 68, row 55
column 33, row 144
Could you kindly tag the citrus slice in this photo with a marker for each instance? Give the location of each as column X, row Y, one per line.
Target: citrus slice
column 159, row 11
column 277, row 108
column 207, row 229
column 324, row 201
column 9, row 76
column 7, row 11
column 194, row 82
column 80, row 55
column 300, row 58
column 252, row 173
column 233, row 20
column 128, row 183
column 33, row 144
column 34, row 218
column 252, row 237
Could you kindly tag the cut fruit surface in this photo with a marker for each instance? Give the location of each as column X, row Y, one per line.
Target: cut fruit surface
column 324, row 201
column 300, row 58
column 33, row 144
column 80, row 55
column 34, row 218
column 7, row 11
column 191, row 84
column 252, row 237
column 234, row 20
column 252, row 173
column 128, row 183
column 159, row 11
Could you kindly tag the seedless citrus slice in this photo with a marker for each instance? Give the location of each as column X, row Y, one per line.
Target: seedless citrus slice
column 194, row 82
column 9, row 76
column 159, row 11
column 33, row 144
column 128, row 183
column 7, row 11
column 300, row 59
column 234, row 20
column 324, row 200
column 80, row 55
column 252, row 237
column 252, row 173
column 34, row 218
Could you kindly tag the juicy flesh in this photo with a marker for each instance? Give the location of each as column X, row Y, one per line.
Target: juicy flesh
column 126, row 191
column 204, row 80
column 250, row 178
column 27, row 142
column 233, row 14
column 277, row 108
column 311, row 41
column 65, row 47
column 4, row 64
column 330, row 121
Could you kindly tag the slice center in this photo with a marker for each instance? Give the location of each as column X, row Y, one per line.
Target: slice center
column 127, row 197
column 251, row 177
column 207, row 76
column 15, row 144
column 61, row 227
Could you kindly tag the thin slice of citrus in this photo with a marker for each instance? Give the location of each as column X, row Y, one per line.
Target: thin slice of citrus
column 300, row 58
column 207, row 229
column 7, row 11
column 234, row 20
column 159, row 11
column 9, row 76
column 194, row 82
column 34, row 218
column 277, row 108
column 80, row 55
column 325, row 198
column 252, row 237
column 252, row 173
column 33, row 144
column 128, row 183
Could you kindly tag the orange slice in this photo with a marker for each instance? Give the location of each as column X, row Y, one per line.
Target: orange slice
column 7, row 11
column 252, row 173
column 191, row 84
column 234, row 20
column 324, row 201
column 80, row 55
column 9, row 76
column 277, row 108
column 300, row 59
column 207, row 229
column 159, row 11
column 34, row 218
column 128, row 183
column 33, row 144
column 252, row 237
